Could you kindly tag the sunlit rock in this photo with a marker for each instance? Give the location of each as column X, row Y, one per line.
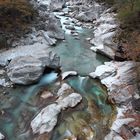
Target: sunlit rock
column 103, row 71
column 46, row 119
column 113, row 136
column 37, row 50
column 120, row 120
column 46, row 94
column 105, row 29
column 68, row 73
column 120, row 78
column 70, row 101
column 64, row 88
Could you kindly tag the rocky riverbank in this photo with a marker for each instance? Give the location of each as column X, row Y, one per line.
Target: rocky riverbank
column 33, row 56
column 122, row 80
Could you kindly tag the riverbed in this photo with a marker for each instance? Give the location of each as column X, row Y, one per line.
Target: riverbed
column 91, row 119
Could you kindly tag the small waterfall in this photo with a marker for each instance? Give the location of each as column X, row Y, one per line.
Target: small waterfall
column 48, row 79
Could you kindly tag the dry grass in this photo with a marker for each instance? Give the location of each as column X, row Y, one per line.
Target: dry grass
column 15, row 14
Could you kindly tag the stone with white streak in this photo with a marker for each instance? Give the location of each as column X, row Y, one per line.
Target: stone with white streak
column 68, row 73
column 120, row 119
column 113, row 136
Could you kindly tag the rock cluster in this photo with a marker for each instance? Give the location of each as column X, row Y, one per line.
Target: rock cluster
column 46, row 119
column 105, row 29
column 121, row 79
column 31, row 53
column 122, row 82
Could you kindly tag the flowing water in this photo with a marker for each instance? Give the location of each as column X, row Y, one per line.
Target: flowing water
column 89, row 120
column 75, row 54
column 92, row 118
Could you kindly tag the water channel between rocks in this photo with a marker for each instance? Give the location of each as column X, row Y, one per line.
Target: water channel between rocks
column 90, row 119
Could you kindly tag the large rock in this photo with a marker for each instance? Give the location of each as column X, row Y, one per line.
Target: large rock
column 70, row 101
column 86, row 16
column 121, row 79
column 25, row 70
column 46, row 120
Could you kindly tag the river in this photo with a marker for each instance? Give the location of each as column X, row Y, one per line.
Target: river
column 89, row 120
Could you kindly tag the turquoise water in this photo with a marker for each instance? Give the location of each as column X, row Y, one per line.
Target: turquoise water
column 93, row 115
column 75, row 54
column 19, row 106
column 89, row 120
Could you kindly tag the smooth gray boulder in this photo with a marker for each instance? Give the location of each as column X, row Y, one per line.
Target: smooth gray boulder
column 25, row 70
